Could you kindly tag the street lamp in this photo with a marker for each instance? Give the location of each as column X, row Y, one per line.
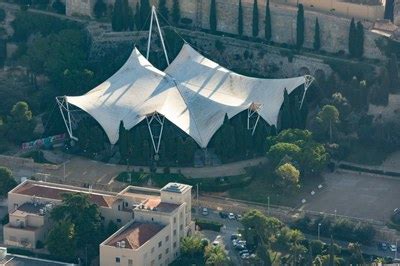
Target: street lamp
column 319, row 229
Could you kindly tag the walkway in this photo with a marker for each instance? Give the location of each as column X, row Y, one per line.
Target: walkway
column 80, row 169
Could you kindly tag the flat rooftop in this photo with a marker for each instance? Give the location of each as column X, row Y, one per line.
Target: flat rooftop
column 29, row 208
column 155, row 204
column 136, row 234
column 54, row 192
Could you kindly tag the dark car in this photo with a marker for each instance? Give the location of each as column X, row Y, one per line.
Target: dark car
column 383, row 246
column 223, row 215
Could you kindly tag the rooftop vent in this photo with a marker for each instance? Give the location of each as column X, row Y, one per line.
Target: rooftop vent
column 122, row 244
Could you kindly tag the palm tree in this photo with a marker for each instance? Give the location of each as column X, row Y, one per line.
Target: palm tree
column 216, row 256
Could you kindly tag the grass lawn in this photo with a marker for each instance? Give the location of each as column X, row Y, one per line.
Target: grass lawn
column 367, row 154
column 263, row 186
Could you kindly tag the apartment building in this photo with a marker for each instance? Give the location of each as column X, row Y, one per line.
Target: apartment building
column 152, row 221
column 153, row 236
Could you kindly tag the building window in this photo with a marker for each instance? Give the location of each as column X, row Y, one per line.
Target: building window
column 175, row 244
column 126, row 204
column 152, row 250
column 174, row 232
column 160, row 244
column 166, row 238
column 174, row 220
column 119, row 207
column 159, row 257
column 130, row 262
column 166, row 251
column 118, row 220
column 181, row 227
column 102, row 218
column 117, row 260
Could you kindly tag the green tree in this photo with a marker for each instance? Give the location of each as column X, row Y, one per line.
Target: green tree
column 328, row 117
column 213, row 16
column 286, row 118
column 280, row 150
column 77, row 209
column 356, row 257
column 255, row 25
column 61, row 241
column 100, row 8
column 163, row 9
column 7, row 182
column 191, row 246
column 240, row 19
column 145, row 12
column 300, row 26
column 317, row 37
column 288, row 173
column 216, row 256
column 137, row 17
column 130, row 19
column 268, row 23
column 176, row 12
column 352, row 38
column 359, row 50
column 20, row 123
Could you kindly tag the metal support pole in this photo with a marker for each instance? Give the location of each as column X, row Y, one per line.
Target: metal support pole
column 150, row 30
column 161, row 36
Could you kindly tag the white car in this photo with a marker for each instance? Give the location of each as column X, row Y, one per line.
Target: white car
column 393, row 248
column 231, row 216
column 215, row 243
column 205, row 211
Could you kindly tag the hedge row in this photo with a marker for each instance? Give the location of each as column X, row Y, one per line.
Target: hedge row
column 208, row 225
column 340, row 228
column 367, row 170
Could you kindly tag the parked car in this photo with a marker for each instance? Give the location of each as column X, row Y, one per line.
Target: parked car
column 393, row 248
column 231, row 216
column 236, row 236
column 383, row 246
column 245, row 256
column 205, row 211
column 223, row 215
column 238, row 217
column 215, row 243
column 240, row 247
column 243, row 251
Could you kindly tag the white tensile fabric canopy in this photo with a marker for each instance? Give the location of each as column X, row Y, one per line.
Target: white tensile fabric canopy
column 194, row 93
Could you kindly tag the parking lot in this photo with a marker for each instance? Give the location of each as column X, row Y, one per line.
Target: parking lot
column 357, row 195
column 230, row 227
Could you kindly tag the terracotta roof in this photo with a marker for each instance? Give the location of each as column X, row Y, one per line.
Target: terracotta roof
column 55, row 193
column 136, row 234
column 160, row 206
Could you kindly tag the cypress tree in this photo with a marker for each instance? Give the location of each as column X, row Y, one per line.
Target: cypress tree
column 352, row 38
column 137, row 18
column 213, row 16
column 317, row 37
column 389, row 10
column 300, row 27
column 131, row 20
column 162, row 7
column 145, row 11
column 240, row 19
column 268, row 25
column 125, row 15
column 176, row 12
column 117, row 16
column 99, row 8
column 393, row 72
column 255, row 19
column 359, row 40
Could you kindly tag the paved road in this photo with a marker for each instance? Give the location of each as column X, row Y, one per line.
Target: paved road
column 232, row 226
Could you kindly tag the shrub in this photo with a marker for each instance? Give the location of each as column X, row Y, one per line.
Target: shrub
column 209, row 225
